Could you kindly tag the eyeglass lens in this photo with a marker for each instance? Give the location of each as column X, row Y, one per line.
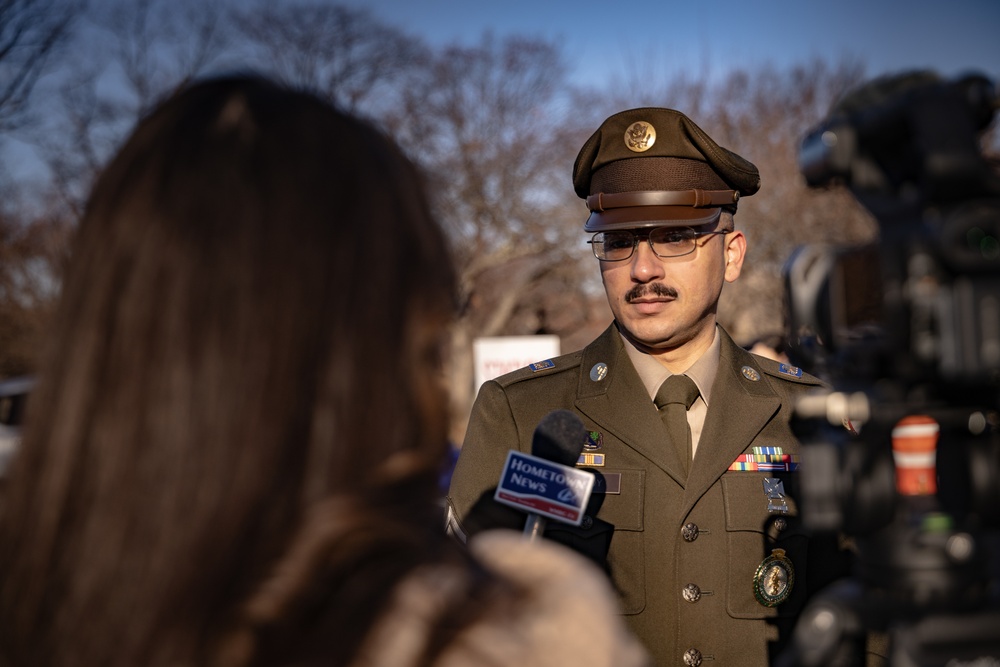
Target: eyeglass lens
column 665, row 242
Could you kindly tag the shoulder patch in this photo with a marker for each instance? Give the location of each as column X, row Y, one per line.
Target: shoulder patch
column 794, row 371
column 540, row 369
column 786, row 372
column 541, row 365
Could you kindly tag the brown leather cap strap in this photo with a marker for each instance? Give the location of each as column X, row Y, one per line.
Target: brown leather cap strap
column 696, row 198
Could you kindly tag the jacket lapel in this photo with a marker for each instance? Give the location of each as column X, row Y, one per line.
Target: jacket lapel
column 740, row 409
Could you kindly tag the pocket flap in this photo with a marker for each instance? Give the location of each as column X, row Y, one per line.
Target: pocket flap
column 747, row 503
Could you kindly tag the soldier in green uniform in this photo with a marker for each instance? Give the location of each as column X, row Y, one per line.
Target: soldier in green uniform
column 694, row 515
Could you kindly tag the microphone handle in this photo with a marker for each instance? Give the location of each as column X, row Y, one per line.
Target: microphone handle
column 534, row 527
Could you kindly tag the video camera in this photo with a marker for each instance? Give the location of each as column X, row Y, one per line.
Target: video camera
column 902, row 455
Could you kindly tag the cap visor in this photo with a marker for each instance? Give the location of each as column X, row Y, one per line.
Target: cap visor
column 636, row 217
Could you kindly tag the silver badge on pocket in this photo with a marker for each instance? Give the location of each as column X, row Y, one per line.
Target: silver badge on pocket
column 774, row 489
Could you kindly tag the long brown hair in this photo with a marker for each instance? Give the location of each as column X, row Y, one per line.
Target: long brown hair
column 241, row 417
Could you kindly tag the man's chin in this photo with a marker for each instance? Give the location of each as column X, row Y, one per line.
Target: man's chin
column 645, row 340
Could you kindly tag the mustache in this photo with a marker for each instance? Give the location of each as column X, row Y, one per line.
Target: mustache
column 646, row 289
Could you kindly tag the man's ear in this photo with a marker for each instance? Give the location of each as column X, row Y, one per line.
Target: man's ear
column 736, row 250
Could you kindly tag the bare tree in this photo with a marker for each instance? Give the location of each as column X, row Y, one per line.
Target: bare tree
column 128, row 56
column 31, row 34
column 496, row 126
column 764, row 116
column 32, row 256
column 159, row 45
column 491, row 126
column 340, row 53
column 134, row 53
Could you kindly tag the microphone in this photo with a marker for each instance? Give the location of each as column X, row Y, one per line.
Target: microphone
column 559, row 438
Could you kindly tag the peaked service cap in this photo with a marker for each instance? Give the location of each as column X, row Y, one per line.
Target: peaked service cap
column 653, row 167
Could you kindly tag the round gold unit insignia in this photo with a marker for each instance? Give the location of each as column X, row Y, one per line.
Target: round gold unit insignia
column 640, row 136
column 772, row 584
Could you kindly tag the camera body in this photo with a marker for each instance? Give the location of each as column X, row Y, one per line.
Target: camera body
column 906, row 332
column 925, row 297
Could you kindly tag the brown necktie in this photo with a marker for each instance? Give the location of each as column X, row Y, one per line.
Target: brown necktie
column 673, row 399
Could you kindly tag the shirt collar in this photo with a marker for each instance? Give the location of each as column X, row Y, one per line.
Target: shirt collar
column 653, row 373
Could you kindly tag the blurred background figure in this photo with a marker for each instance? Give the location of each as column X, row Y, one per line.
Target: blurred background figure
column 772, row 346
column 234, row 450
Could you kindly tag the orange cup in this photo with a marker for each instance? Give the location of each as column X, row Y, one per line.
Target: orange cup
column 914, row 449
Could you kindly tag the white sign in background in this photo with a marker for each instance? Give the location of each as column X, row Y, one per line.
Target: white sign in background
column 501, row 354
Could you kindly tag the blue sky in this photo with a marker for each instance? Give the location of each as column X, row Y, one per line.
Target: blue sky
column 714, row 36
column 605, row 40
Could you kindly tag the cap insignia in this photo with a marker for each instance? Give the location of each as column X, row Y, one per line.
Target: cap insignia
column 640, row 136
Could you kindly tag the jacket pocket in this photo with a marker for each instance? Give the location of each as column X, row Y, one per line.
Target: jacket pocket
column 751, row 537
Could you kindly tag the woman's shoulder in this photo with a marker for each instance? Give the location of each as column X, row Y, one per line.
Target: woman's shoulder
column 554, row 599
column 567, row 613
column 541, row 562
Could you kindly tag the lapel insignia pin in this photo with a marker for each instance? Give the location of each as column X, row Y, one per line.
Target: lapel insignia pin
column 773, row 581
column 595, row 439
column 599, row 372
column 750, row 374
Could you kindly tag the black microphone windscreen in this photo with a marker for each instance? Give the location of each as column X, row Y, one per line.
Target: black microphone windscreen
column 559, row 437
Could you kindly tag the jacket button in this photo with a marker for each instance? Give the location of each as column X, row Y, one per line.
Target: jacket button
column 689, row 532
column 691, row 593
column 692, row 657
column 588, row 522
column 780, row 524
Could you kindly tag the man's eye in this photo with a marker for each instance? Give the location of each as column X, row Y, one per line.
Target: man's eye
column 617, row 242
column 675, row 238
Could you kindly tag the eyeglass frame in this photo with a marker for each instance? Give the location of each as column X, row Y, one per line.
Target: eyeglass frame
column 646, row 232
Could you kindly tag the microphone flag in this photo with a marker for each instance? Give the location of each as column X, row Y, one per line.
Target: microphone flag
column 539, row 486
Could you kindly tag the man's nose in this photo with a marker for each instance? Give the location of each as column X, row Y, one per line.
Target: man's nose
column 646, row 266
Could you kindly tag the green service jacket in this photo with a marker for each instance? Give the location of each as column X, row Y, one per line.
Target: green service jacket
column 683, row 552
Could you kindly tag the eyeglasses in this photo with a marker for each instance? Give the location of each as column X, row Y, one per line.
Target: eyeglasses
column 619, row 245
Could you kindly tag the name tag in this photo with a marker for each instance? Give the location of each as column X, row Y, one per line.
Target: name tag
column 609, row 483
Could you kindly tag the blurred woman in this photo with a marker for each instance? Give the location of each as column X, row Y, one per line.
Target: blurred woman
column 233, row 453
